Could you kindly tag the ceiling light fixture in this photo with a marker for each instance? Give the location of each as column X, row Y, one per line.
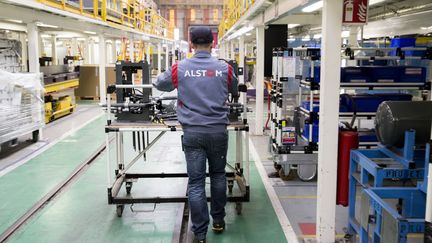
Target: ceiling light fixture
column 39, row 24
column 313, row 7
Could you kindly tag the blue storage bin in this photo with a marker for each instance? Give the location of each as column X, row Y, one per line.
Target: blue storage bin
column 314, row 132
column 369, row 102
column 405, row 42
column 386, row 74
column 306, row 105
column 367, row 136
column 412, row 74
column 354, row 75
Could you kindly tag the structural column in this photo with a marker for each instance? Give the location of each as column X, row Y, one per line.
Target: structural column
column 132, row 50
column 74, row 47
column 241, row 65
column 173, row 53
column 259, row 83
column 33, row 55
column 329, row 120
column 148, row 54
column 232, row 56
column 91, row 55
column 166, row 57
column 102, row 66
column 23, row 41
column 33, row 47
column 113, row 51
column 159, row 56
column 54, row 49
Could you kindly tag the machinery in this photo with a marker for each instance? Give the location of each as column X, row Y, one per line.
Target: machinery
column 59, row 83
column 391, row 180
column 138, row 113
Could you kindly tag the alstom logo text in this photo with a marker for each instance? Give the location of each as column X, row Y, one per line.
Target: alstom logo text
column 203, row 73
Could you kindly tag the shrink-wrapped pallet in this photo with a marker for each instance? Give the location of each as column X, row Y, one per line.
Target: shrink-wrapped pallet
column 21, row 104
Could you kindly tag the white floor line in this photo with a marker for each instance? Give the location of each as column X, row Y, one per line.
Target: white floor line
column 288, row 230
column 46, row 147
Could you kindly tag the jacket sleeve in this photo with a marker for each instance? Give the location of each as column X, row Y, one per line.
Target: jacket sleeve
column 164, row 81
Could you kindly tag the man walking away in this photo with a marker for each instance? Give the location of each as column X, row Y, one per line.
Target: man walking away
column 203, row 84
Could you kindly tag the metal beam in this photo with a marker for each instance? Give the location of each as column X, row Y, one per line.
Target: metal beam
column 329, row 120
column 32, row 11
column 102, row 66
column 259, row 82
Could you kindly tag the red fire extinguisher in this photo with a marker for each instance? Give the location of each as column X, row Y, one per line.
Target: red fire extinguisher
column 347, row 140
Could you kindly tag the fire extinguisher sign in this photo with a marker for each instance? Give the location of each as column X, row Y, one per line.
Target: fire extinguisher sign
column 355, row 12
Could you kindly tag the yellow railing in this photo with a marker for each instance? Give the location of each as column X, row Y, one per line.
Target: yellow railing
column 120, row 13
column 233, row 10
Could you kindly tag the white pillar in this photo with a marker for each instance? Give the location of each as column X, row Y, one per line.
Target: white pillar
column 102, row 66
column 41, row 44
column 148, row 54
column 33, row 47
column 227, row 50
column 159, row 56
column 329, row 120
column 173, row 53
column 166, row 57
column 132, row 50
column 91, row 56
column 113, row 51
column 54, row 50
column 24, row 51
column 74, row 47
column 242, row 65
column 232, row 56
column 259, row 86
column 33, row 55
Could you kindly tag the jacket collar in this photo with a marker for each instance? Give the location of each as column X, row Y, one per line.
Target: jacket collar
column 202, row 54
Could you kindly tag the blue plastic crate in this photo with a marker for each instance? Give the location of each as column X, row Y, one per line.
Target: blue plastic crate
column 306, row 105
column 384, row 74
column 368, row 102
column 367, row 136
column 315, row 131
column 355, row 75
column 412, row 74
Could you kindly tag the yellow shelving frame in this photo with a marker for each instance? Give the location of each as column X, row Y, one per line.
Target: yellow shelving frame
column 131, row 14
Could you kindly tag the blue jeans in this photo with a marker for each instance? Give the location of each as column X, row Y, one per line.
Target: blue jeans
column 199, row 147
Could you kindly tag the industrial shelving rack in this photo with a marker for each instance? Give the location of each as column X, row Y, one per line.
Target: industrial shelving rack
column 306, row 147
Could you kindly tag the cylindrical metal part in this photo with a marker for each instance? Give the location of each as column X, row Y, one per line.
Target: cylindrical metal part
column 394, row 118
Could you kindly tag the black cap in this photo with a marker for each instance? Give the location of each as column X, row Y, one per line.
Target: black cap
column 201, row 35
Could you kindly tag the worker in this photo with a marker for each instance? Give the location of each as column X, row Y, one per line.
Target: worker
column 203, row 84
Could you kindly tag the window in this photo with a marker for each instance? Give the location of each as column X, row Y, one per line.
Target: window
column 192, row 14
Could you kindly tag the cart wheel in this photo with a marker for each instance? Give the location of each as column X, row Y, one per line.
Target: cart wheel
column 306, row 172
column 239, row 207
column 128, row 187
column 120, row 209
column 290, row 176
column 35, row 136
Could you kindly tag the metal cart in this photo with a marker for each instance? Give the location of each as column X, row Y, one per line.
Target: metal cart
column 238, row 175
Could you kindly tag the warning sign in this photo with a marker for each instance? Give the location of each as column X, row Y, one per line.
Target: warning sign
column 355, row 12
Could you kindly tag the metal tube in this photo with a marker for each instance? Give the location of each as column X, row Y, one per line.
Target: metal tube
column 142, row 152
column 247, row 157
column 107, row 140
column 130, row 86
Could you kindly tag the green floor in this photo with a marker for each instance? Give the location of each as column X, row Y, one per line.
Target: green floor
column 21, row 188
column 81, row 213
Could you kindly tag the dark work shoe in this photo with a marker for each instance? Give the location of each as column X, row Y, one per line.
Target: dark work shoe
column 218, row 227
column 199, row 241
